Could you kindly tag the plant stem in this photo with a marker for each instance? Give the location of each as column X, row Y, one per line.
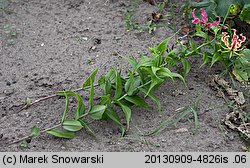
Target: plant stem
column 42, row 131
column 122, row 97
column 204, row 44
column 52, row 96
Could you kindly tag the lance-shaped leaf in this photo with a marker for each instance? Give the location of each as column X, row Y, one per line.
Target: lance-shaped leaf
column 134, row 64
column 112, row 114
column 61, row 133
column 80, row 109
column 186, row 64
column 105, row 100
column 216, row 57
column 145, row 62
column 35, row 131
column 97, row 111
column 152, row 96
column 162, row 47
column 86, row 125
column 155, row 82
column 91, row 94
column 72, row 125
column 66, row 107
column 127, row 112
column 118, row 88
column 132, row 84
column 90, row 79
column 137, row 101
column 166, row 73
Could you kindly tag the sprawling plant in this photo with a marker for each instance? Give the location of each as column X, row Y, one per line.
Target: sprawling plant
column 220, row 44
column 119, row 92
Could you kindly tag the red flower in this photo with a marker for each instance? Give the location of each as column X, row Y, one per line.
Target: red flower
column 235, row 43
column 204, row 21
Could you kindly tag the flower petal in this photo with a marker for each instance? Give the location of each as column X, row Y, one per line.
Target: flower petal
column 196, row 19
column 235, row 43
column 204, row 15
column 216, row 23
column 224, row 38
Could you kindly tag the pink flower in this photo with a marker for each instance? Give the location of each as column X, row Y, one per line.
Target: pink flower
column 235, row 43
column 204, row 21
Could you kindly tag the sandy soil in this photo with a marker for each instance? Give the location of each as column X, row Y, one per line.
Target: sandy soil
column 54, row 50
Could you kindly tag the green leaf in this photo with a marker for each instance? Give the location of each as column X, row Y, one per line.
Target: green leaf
column 206, row 56
column 61, row 133
column 90, row 79
column 127, row 112
column 155, row 82
column 137, row 101
column 132, row 84
column 172, row 59
column 186, row 65
column 66, row 107
column 158, row 61
column 216, row 57
column 24, row 145
column 111, row 76
column 222, row 6
column 193, row 46
column 201, row 34
column 241, row 69
column 72, row 125
column 185, row 111
column 28, row 102
column 97, row 111
column 132, row 62
column 162, row 47
column 246, row 53
column 152, row 96
column 125, row 102
column 112, row 114
column 86, row 125
column 166, row 73
column 91, row 95
column 163, row 124
column 245, row 13
column 215, row 29
column 118, row 91
column 145, row 62
column 105, row 84
column 105, row 100
column 80, row 109
column 35, row 131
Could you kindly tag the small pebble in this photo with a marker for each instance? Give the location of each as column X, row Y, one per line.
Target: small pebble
column 28, row 140
column 181, row 130
column 27, row 114
column 8, row 92
column 8, row 83
column 231, row 138
column 85, row 38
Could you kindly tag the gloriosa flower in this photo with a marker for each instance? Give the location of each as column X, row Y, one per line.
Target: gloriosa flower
column 235, row 43
column 204, row 21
